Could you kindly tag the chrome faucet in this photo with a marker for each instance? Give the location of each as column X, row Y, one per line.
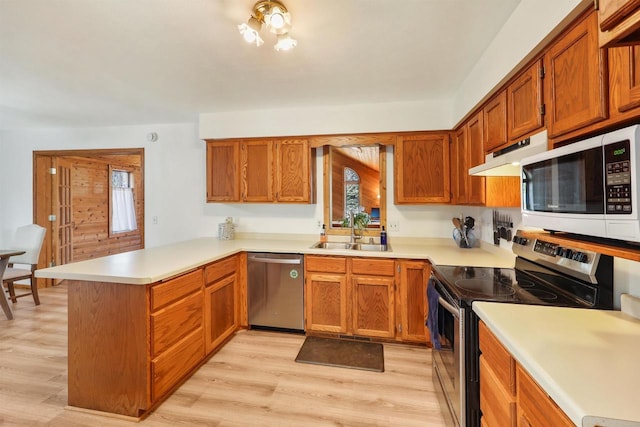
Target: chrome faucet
column 353, row 226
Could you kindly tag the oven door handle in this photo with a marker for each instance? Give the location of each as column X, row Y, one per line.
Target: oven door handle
column 451, row 309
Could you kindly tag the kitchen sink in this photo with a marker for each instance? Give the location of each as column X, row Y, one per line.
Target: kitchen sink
column 352, row 246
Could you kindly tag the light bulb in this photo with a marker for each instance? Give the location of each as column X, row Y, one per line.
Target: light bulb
column 276, row 18
column 285, row 42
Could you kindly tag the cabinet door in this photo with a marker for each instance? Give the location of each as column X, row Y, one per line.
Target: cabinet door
column 495, row 123
column 293, row 171
column 422, row 168
column 524, row 102
column 475, row 156
column 257, row 171
column 575, row 79
column 373, row 306
column 624, row 82
column 221, row 318
column 459, row 168
column 223, row 174
column 498, row 405
column 412, row 302
column 326, row 302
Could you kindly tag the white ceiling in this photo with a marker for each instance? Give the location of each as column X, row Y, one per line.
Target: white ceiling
column 121, row 62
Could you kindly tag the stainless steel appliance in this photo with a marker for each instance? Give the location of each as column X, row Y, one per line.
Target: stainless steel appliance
column 588, row 187
column 275, row 291
column 545, row 273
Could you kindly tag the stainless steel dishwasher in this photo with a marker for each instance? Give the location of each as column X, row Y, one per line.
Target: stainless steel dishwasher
column 275, row 291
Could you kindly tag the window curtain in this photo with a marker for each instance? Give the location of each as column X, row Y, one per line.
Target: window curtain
column 123, row 212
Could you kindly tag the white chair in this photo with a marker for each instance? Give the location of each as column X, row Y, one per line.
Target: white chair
column 28, row 238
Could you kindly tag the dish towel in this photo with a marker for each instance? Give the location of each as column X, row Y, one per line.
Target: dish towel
column 432, row 315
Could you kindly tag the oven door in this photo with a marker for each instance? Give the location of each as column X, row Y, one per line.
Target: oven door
column 448, row 361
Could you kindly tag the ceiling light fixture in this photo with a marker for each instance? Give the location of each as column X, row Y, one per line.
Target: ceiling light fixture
column 275, row 16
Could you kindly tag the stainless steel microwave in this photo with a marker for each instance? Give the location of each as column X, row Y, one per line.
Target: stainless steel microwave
column 589, row 187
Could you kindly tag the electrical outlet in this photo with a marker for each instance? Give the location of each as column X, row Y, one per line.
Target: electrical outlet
column 154, row 220
column 393, row 226
column 319, row 224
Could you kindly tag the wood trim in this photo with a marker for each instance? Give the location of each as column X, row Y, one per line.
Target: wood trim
column 340, row 140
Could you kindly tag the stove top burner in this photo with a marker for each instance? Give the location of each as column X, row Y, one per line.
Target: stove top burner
column 486, row 286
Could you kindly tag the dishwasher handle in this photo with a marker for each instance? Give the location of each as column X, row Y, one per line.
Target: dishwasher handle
column 297, row 261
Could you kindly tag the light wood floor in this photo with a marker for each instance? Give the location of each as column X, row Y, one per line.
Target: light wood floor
column 252, row 381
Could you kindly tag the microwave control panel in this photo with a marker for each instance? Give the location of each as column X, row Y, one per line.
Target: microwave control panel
column 618, row 177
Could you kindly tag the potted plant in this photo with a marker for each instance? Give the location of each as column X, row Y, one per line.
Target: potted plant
column 360, row 222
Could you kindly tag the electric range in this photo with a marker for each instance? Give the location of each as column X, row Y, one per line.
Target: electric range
column 545, row 273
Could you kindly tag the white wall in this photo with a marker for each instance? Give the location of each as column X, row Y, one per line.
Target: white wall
column 527, row 26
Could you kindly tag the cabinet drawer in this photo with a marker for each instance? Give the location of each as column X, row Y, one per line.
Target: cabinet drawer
column 175, row 321
column 535, row 407
column 503, row 365
column 498, row 405
column 174, row 289
column 326, row 264
column 220, row 269
column 172, row 365
column 373, row 267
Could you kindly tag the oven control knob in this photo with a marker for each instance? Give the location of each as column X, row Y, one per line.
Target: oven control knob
column 559, row 251
column 568, row 253
column 580, row 257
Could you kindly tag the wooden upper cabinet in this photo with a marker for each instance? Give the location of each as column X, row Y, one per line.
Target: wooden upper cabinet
column 574, row 81
column 293, row 171
column 624, row 82
column 257, row 171
column 524, row 103
column 223, row 175
column 495, row 123
column 619, row 22
column 422, row 168
column 475, row 156
column 459, row 168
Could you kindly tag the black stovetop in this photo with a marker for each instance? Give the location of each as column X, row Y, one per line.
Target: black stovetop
column 537, row 286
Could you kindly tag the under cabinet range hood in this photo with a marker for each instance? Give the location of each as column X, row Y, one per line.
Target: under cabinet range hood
column 506, row 162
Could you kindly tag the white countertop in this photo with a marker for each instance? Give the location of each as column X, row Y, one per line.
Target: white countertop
column 587, row 360
column 154, row 264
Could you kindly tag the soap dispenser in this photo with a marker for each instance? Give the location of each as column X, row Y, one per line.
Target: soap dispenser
column 323, row 233
column 383, row 236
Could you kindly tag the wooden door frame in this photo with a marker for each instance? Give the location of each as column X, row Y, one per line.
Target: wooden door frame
column 43, row 193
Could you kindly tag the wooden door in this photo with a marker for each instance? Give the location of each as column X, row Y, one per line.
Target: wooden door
column 326, row 302
column 63, row 237
column 459, row 168
column 475, row 156
column 292, row 178
column 422, row 168
column 619, row 22
column 524, row 102
column 257, row 171
column 495, row 123
column 412, row 302
column 373, row 306
column 223, row 171
column 575, row 83
column 221, row 318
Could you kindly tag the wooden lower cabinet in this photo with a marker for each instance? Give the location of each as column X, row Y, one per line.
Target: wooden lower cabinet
column 326, row 294
column 132, row 345
column 508, row 394
column 360, row 296
column 412, row 300
column 535, row 407
column 220, row 301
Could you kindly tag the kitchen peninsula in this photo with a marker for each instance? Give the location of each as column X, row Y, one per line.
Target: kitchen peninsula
column 142, row 322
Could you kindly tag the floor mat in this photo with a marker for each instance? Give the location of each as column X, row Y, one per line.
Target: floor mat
column 342, row 353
